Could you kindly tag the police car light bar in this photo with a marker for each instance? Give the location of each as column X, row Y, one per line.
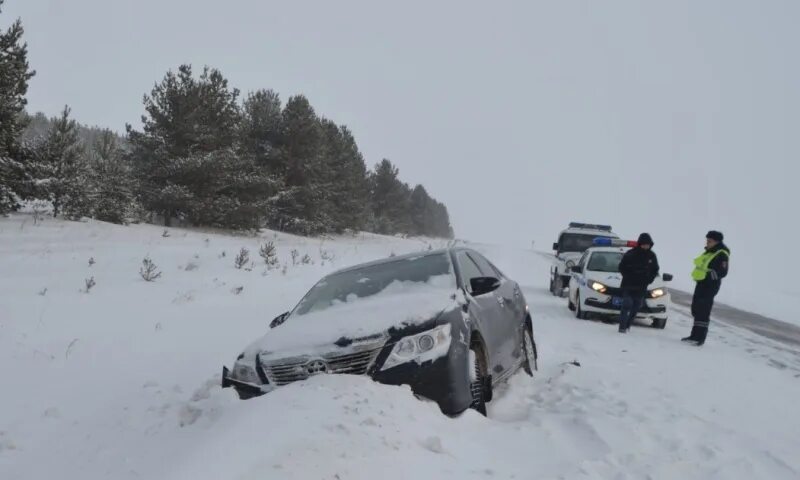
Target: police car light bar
column 590, row 226
column 614, row 242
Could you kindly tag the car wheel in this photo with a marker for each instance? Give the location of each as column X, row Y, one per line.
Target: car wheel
column 579, row 313
column 555, row 285
column 477, row 376
column 531, row 363
column 659, row 323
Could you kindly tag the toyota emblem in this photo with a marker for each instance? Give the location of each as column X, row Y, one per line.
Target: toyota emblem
column 316, row 366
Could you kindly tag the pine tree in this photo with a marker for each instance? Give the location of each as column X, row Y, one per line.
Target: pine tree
column 61, row 170
column 260, row 128
column 112, row 185
column 186, row 120
column 345, row 170
column 390, row 200
column 14, row 76
column 301, row 206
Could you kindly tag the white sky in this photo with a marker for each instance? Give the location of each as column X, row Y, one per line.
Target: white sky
column 671, row 117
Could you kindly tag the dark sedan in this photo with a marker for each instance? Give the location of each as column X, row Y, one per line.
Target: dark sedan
column 448, row 323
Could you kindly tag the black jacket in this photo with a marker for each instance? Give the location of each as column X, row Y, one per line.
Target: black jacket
column 639, row 267
column 719, row 270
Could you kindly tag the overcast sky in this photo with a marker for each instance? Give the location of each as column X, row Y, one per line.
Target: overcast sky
column 672, row 117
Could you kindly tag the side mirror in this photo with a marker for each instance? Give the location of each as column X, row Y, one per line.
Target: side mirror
column 667, row 277
column 278, row 320
column 575, row 269
column 483, row 285
column 555, row 247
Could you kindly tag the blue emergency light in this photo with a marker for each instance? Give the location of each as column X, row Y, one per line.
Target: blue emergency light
column 613, row 242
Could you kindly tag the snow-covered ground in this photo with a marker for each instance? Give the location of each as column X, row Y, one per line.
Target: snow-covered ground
column 122, row 382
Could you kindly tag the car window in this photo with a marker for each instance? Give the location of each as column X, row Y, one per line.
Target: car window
column 582, row 261
column 605, row 262
column 428, row 271
column 485, row 267
column 576, row 242
column 469, row 269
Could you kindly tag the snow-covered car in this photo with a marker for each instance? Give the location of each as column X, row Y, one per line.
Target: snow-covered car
column 594, row 287
column 447, row 322
column 571, row 244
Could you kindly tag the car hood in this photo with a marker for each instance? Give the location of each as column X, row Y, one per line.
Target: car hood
column 614, row 280
column 321, row 331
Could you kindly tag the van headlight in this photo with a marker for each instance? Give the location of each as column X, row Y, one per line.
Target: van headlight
column 419, row 348
column 658, row 293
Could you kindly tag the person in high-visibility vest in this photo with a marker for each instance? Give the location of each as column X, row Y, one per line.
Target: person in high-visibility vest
column 709, row 270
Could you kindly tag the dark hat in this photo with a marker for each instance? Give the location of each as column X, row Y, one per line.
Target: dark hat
column 645, row 239
column 715, row 235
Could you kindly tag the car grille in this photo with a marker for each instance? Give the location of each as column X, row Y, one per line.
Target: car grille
column 288, row 370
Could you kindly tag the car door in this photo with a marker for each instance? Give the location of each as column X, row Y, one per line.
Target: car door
column 487, row 313
column 512, row 311
column 578, row 278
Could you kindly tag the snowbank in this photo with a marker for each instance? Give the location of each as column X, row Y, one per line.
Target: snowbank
column 123, row 382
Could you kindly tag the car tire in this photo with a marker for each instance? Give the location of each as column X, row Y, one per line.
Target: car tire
column 478, row 374
column 531, row 363
column 659, row 323
column 555, row 283
column 579, row 313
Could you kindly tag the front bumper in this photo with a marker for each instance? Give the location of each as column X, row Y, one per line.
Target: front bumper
column 603, row 304
column 443, row 380
column 246, row 388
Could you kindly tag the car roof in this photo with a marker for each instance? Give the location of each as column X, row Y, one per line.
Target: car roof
column 398, row 258
column 587, row 231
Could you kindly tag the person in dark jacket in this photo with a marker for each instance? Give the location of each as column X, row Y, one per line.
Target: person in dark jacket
column 709, row 270
column 639, row 267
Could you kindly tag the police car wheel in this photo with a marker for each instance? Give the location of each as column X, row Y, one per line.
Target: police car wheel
column 579, row 313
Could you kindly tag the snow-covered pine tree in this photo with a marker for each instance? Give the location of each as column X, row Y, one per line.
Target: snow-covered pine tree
column 61, row 170
column 112, row 184
column 14, row 76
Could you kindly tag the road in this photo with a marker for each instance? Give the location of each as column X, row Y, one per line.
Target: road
column 777, row 330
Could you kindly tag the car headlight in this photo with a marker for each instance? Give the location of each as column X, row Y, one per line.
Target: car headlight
column 421, row 347
column 245, row 373
column 658, row 293
column 598, row 287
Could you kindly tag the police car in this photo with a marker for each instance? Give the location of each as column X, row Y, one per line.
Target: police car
column 571, row 244
column 594, row 285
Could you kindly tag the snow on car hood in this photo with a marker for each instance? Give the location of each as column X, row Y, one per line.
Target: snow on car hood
column 401, row 304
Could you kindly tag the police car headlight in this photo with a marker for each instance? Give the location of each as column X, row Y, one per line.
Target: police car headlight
column 657, row 293
column 598, row 287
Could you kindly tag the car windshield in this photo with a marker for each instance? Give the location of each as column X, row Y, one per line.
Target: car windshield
column 434, row 270
column 605, row 262
column 577, row 242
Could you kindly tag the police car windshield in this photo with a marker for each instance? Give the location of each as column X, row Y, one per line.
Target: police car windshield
column 577, row 242
column 434, row 270
column 605, row 262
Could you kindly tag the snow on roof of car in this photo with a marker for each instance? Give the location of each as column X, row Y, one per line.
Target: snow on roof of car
column 399, row 258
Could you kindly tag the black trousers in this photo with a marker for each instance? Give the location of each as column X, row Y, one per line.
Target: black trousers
column 702, row 303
